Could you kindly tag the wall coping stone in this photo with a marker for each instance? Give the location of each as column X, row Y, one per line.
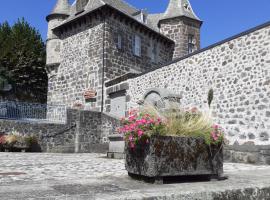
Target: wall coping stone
column 120, row 79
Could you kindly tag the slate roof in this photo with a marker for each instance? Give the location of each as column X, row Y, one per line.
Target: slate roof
column 153, row 19
column 179, row 8
column 175, row 9
column 94, row 4
column 61, row 7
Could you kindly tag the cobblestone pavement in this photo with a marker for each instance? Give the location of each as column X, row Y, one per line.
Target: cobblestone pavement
column 93, row 176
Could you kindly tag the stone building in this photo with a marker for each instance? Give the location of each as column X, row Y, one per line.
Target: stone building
column 127, row 56
column 94, row 41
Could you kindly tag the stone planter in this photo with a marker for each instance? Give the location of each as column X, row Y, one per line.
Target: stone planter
column 15, row 148
column 20, row 148
column 171, row 156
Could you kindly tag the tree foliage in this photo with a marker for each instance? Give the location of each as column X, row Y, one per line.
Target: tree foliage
column 22, row 62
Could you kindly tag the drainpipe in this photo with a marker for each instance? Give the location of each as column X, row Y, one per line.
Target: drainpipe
column 77, row 132
column 103, row 62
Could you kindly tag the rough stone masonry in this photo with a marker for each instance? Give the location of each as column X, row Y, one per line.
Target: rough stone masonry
column 127, row 55
column 238, row 70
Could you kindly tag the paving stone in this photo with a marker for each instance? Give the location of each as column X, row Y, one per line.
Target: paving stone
column 93, row 176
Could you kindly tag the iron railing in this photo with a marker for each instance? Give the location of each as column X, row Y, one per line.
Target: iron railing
column 32, row 111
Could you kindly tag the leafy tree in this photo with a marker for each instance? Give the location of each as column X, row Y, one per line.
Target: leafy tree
column 5, row 33
column 22, row 61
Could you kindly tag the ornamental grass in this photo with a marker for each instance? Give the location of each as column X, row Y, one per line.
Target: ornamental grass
column 150, row 120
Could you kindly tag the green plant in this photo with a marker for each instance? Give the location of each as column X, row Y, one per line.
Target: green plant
column 139, row 127
column 173, row 121
column 30, row 140
column 210, row 97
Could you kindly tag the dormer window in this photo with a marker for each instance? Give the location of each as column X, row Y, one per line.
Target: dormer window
column 141, row 16
column 187, row 7
column 80, row 5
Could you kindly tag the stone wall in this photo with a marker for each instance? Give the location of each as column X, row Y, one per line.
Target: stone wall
column 122, row 61
column 178, row 29
column 238, row 70
column 84, row 131
column 81, row 64
column 89, row 56
column 253, row 154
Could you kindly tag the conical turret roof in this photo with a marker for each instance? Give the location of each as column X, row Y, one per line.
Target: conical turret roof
column 178, row 8
column 61, row 7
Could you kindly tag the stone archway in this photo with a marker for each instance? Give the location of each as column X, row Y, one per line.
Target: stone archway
column 160, row 98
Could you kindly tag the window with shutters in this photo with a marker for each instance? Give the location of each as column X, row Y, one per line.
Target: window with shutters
column 137, row 45
column 80, row 5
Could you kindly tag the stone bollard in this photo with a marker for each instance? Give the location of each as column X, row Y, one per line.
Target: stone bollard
column 116, row 146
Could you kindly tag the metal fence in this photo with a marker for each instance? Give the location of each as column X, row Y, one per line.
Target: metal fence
column 32, row 111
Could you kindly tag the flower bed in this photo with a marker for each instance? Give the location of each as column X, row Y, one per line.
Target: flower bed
column 174, row 142
column 16, row 142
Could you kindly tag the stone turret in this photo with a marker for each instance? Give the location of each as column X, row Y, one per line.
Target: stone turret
column 182, row 25
column 58, row 15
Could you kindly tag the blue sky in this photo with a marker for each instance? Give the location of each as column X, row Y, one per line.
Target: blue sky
column 222, row 18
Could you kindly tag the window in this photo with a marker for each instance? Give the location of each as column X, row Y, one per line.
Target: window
column 141, row 16
column 137, row 45
column 191, row 43
column 119, row 41
column 153, row 51
column 118, row 103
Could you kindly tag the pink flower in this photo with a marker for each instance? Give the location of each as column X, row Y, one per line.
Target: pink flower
column 147, row 141
column 132, row 127
column 215, row 126
column 149, row 122
column 143, row 121
column 123, row 119
column 132, row 118
column 146, row 116
column 140, row 133
column 131, row 145
column 126, row 128
column 194, row 110
column 130, row 138
column 132, row 112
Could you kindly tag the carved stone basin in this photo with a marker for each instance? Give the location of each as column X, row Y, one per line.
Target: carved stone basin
column 167, row 156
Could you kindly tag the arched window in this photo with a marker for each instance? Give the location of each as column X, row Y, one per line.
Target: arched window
column 80, row 5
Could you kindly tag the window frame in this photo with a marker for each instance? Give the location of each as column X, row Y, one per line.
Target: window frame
column 154, row 51
column 137, row 45
column 191, row 45
column 119, row 41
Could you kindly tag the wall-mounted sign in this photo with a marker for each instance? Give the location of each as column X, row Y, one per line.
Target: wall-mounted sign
column 90, row 94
